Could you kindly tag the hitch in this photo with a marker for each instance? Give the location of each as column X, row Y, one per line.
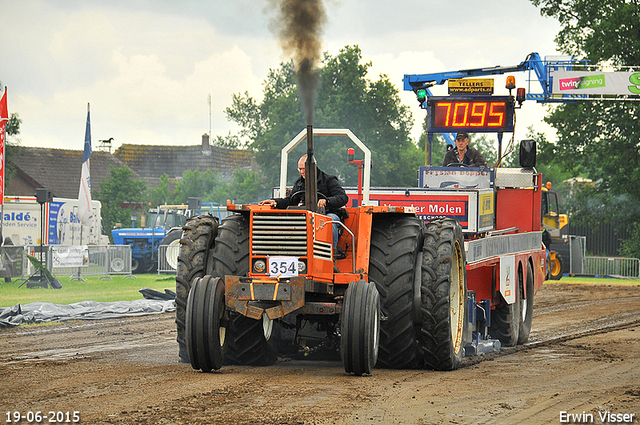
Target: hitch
column 478, row 327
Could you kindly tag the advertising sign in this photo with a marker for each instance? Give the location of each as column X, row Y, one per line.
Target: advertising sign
column 456, row 178
column 589, row 82
column 70, row 256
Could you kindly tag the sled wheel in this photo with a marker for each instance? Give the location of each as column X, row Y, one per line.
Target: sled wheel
column 526, row 305
column 506, row 318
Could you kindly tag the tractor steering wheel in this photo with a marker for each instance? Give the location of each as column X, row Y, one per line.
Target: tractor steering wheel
column 320, row 210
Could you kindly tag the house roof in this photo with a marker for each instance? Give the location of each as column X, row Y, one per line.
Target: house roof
column 151, row 162
column 60, row 169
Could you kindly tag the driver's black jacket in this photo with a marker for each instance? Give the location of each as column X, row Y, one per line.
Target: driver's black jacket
column 328, row 185
column 471, row 157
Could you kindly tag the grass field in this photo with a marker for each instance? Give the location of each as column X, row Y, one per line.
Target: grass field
column 126, row 289
column 118, row 289
column 595, row 281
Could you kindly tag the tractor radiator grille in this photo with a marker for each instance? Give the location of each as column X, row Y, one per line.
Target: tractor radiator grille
column 279, row 235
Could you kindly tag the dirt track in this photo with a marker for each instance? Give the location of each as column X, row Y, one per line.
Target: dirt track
column 583, row 356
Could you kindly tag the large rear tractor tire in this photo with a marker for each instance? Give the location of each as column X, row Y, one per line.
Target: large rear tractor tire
column 526, row 305
column 443, row 295
column 205, row 327
column 197, row 238
column 506, row 318
column 249, row 341
column 360, row 329
column 395, row 245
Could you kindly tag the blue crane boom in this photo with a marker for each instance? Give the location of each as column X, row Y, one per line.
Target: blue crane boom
column 543, row 70
column 533, row 63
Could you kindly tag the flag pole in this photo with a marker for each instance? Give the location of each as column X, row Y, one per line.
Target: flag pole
column 3, row 123
column 4, row 119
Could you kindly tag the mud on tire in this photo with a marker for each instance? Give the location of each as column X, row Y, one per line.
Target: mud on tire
column 395, row 244
column 443, row 295
column 197, row 238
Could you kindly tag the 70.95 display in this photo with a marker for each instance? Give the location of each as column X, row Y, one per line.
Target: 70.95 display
column 476, row 114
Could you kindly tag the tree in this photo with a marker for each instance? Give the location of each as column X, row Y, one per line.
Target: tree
column 196, row 184
column 121, row 188
column 551, row 170
column 245, row 186
column 346, row 99
column 600, row 138
column 161, row 194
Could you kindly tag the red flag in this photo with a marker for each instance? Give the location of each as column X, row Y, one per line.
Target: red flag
column 4, row 117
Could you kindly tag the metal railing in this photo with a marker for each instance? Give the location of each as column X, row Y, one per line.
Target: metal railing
column 612, row 266
column 12, row 262
column 103, row 260
column 100, row 260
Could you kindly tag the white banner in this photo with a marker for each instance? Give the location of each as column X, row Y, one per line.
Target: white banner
column 589, row 82
column 70, row 255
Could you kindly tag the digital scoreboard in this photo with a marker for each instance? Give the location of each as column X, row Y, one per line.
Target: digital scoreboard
column 474, row 114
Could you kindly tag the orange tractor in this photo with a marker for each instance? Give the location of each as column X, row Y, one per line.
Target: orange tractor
column 252, row 286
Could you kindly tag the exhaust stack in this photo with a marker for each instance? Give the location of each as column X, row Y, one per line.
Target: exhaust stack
column 311, row 179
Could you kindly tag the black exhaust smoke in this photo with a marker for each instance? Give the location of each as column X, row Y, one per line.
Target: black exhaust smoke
column 299, row 27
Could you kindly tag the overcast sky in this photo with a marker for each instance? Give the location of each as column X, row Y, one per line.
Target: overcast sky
column 147, row 67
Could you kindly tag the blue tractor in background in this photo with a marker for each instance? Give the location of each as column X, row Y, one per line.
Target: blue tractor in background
column 161, row 226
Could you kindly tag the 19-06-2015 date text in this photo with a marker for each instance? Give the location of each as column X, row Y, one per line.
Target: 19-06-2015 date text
column 49, row 417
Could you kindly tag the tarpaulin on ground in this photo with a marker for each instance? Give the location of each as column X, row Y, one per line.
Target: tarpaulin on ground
column 86, row 310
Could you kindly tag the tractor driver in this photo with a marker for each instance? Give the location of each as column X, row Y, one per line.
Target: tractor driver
column 332, row 197
column 463, row 154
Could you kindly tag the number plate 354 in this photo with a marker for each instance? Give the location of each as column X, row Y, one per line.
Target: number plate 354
column 283, row 266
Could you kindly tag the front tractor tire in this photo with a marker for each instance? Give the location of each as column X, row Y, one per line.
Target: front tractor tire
column 443, row 295
column 206, row 327
column 197, row 238
column 360, row 329
column 248, row 341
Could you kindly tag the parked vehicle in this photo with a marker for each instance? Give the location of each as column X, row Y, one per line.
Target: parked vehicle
column 24, row 218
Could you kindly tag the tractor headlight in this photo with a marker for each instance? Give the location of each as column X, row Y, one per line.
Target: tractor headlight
column 259, row 266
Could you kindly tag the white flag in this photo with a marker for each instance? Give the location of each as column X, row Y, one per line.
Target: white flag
column 85, row 214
